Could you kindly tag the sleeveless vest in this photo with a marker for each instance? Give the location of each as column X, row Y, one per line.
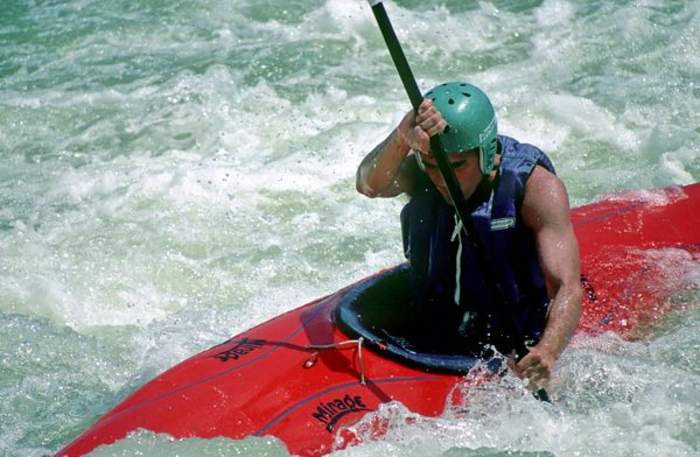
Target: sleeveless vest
column 439, row 254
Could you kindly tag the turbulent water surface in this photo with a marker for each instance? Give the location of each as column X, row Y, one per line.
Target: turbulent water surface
column 175, row 172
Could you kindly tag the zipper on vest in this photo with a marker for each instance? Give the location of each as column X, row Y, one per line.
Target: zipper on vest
column 457, row 232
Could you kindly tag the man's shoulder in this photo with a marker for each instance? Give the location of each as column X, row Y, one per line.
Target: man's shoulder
column 522, row 158
column 546, row 199
column 543, row 180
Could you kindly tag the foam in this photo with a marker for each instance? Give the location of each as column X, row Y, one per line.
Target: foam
column 161, row 445
column 650, row 197
column 587, row 119
column 596, row 404
column 163, row 191
column 675, row 168
column 554, row 13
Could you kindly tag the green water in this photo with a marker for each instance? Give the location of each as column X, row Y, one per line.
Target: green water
column 175, row 172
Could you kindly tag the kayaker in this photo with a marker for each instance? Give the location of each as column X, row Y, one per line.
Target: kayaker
column 520, row 211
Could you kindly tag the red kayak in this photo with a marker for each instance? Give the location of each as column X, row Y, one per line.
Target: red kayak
column 306, row 374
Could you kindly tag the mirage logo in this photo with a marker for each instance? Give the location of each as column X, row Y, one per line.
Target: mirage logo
column 243, row 347
column 329, row 413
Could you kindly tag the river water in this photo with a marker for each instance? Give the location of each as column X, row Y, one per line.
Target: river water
column 175, row 172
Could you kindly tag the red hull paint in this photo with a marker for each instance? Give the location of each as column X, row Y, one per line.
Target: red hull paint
column 634, row 250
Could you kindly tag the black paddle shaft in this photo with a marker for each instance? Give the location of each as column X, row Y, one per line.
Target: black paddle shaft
column 453, row 187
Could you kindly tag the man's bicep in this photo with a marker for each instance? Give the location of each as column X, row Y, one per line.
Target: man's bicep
column 559, row 256
column 546, row 211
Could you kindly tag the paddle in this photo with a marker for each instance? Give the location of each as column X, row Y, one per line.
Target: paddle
column 453, row 187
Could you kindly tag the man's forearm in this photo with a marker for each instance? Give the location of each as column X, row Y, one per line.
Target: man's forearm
column 377, row 174
column 563, row 319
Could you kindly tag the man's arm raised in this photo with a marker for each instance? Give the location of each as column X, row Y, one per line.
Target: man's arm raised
column 379, row 173
column 385, row 172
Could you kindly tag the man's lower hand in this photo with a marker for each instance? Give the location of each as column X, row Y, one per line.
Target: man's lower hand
column 537, row 367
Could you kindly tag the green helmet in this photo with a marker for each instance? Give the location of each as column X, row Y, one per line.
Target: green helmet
column 471, row 121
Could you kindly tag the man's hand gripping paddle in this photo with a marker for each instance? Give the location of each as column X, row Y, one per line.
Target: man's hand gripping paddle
column 448, row 175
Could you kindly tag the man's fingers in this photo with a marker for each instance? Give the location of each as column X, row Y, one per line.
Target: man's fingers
column 540, row 382
column 535, row 371
column 427, row 121
column 437, row 127
column 425, row 105
column 433, row 125
column 524, row 363
column 531, row 366
column 429, row 118
column 421, row 140
column 536, row 368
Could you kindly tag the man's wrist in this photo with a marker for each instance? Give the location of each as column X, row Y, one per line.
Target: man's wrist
column 402, row 132
column 551, row 346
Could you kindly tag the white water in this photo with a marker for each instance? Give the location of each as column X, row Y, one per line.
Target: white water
column 174, row 173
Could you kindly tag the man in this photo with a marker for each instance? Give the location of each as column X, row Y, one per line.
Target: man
column 521, row 278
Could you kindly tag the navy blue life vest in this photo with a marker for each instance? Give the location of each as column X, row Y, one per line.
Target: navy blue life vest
column 428, row 225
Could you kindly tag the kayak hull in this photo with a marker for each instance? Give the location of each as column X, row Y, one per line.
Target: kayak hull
column 299, row 378
column 269, row 381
